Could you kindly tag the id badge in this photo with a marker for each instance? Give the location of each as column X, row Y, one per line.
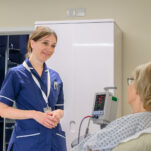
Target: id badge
column 55, row 85
column 47, row 109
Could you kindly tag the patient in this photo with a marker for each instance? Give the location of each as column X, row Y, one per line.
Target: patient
column 139, row 98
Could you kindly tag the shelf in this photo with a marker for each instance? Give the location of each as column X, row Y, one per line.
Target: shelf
column 14, row 50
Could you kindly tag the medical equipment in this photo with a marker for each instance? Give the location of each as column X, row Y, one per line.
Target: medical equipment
column 104, row 111
column 105, row 107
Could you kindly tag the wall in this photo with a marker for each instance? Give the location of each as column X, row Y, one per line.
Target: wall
column 132, row 16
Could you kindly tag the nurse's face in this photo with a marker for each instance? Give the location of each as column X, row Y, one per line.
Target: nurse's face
column 44, row 47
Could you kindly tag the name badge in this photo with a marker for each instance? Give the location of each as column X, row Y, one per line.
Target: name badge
column 47, row 109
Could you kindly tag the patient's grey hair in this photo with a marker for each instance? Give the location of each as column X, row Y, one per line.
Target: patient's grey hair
column 142, row 82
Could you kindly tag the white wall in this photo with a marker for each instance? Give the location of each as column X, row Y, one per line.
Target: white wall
column 132, row 16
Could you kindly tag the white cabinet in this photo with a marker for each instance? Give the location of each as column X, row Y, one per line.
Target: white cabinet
column 88, row 58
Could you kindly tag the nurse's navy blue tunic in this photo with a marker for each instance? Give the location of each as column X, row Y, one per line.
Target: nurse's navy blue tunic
column 20, row 88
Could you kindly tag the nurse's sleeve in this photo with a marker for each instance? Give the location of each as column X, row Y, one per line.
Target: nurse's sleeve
column 60, row 101
column 8, row 91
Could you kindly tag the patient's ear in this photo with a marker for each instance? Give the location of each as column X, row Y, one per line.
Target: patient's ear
column 135, row 91
column 137, row 94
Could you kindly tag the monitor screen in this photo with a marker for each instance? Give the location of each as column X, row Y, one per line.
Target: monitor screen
column 99, row 102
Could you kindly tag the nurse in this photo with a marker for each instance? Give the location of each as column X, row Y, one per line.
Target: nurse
column 37, row 92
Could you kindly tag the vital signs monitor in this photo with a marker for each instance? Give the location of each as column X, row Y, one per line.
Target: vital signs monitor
column 105, row 108
column 104, row 111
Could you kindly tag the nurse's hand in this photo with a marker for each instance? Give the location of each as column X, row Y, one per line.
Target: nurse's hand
column 45, row 119
column 56, row 115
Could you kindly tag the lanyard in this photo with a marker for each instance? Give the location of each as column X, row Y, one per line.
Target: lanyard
column 38, row 84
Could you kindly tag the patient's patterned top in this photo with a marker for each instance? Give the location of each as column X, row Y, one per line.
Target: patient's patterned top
column 108, row 138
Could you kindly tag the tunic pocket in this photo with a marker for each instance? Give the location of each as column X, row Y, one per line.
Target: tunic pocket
column 59, row 141
column 26, row 140
column 61, row 135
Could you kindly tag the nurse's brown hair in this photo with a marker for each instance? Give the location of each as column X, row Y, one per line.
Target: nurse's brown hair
column 37, row 34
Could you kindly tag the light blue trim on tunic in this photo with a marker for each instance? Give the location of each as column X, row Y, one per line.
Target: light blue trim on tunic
column 7, row 98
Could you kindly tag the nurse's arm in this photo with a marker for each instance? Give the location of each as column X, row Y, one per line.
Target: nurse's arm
column 13, row 113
